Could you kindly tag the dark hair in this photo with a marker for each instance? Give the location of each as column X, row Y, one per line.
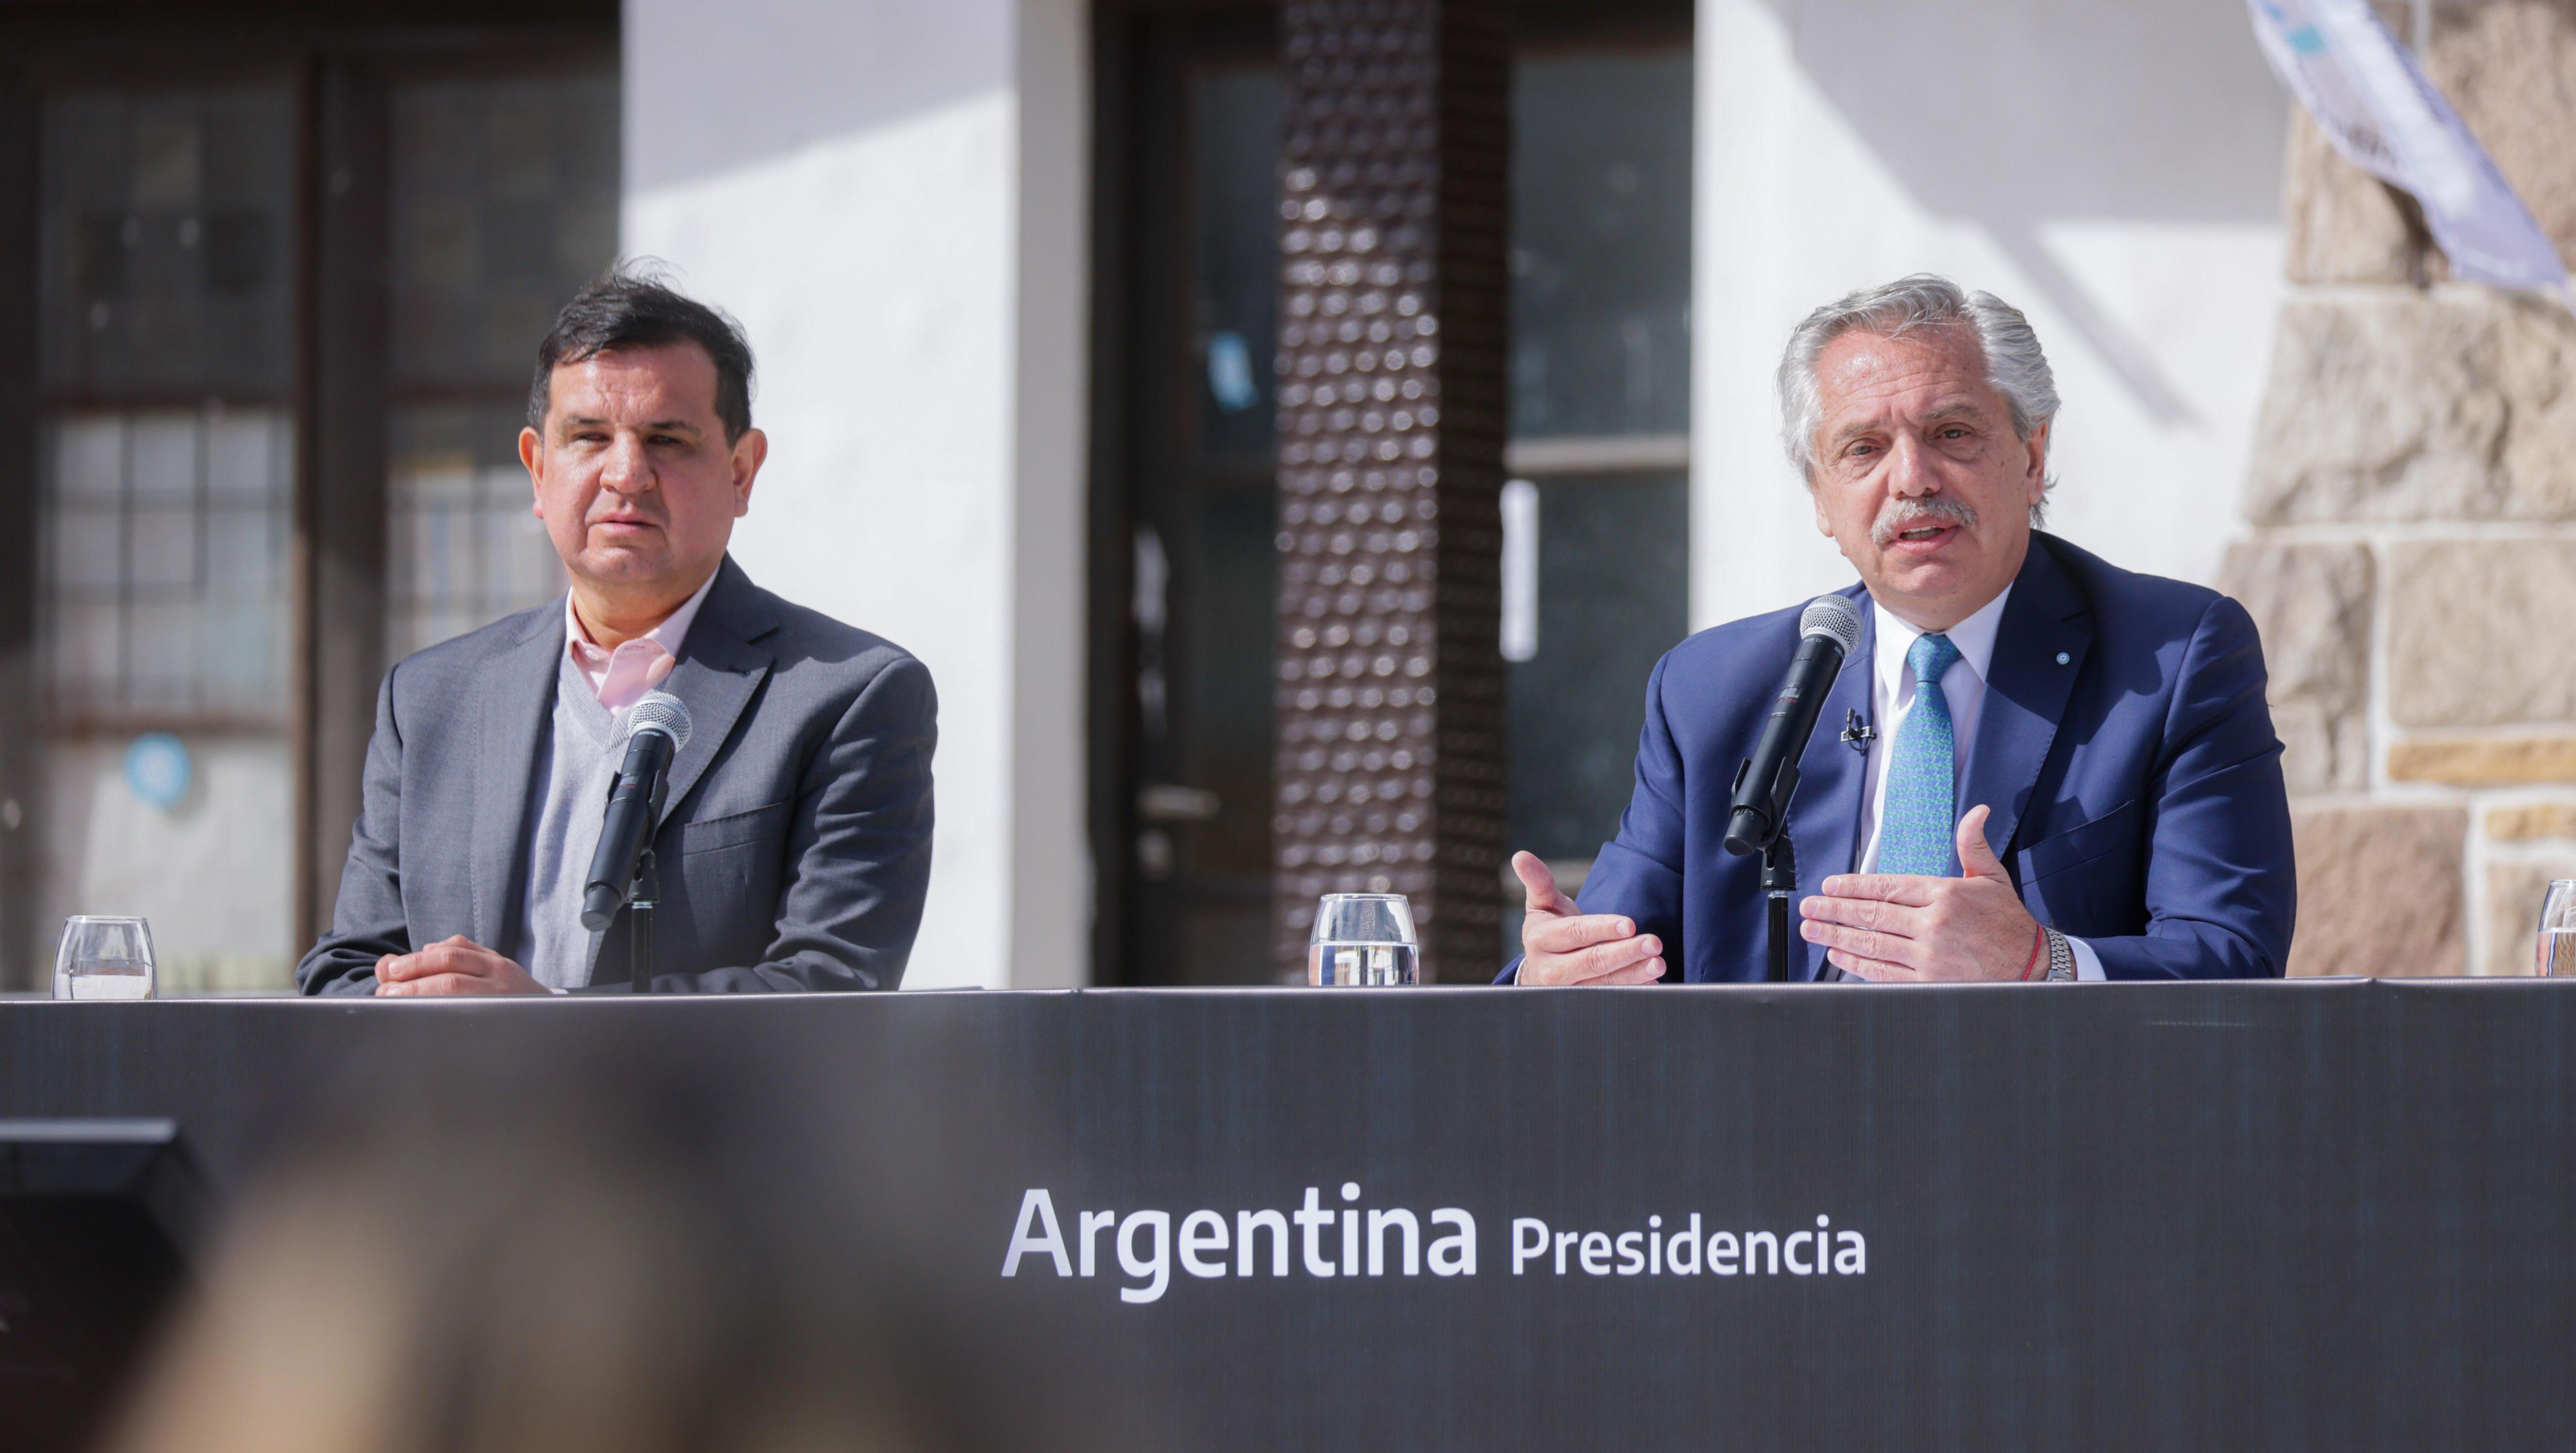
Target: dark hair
column 625, row 308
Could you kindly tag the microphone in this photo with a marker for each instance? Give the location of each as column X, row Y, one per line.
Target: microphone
column 1828, row 630
column 657, row 727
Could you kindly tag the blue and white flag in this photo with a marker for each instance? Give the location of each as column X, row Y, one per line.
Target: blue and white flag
column 2378, row 108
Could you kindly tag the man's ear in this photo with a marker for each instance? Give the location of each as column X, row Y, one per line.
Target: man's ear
column 749, row 453
column 1824, row 522
column 2035, row 480
column 532, row 456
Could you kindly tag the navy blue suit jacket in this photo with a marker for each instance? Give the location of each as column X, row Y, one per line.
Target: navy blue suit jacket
column 2124, row 746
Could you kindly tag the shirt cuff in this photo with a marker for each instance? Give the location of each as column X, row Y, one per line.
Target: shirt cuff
column 2088, row 964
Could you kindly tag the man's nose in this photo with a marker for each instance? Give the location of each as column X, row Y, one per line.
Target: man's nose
column 628, row 469
column 1910, row 474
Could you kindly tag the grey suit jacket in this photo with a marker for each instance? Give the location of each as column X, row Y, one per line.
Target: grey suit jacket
column 793, row 847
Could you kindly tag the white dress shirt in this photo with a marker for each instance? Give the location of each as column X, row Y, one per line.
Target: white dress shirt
column 1892, row 688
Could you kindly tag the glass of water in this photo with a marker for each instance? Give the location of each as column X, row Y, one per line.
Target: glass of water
column 1364, row 939
column 2558, row 930
column 104, row 958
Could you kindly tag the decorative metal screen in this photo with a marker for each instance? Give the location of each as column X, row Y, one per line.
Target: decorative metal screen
column 1391, row 425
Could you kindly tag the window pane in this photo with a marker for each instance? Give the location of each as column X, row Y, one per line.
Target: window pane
column 164, row 558
column 1600, row 259
column 1225, row 573
column 243, row 649
column 88, row 553
column 161, row 658
column 89, row 459
column 86, row 643
column 1218, row 527
column 504, row 204
column 466, row 550
column 245, row 551
column 163, row 447
column 1601, row 205
column 1612, row 596
column 1234, row 175
column 167, row 241
column 246, row 457
column 161, row 538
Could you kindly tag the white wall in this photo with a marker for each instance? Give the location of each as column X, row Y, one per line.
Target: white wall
column 2109, row 167
column 872, row 186
column 1051, row 896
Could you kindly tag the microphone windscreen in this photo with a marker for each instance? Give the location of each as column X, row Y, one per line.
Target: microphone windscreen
column 1834, row 618
column 660, row 711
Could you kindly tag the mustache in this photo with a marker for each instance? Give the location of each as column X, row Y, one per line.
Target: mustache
column 1898, row 516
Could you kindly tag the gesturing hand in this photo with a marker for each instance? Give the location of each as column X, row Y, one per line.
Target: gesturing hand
column 453, row 965
column 1892, row 926
column 1563, row 946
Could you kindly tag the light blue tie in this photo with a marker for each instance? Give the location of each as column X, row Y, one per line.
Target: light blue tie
column 1918, row 833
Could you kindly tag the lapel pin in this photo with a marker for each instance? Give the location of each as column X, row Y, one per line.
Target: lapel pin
column 2062, row 658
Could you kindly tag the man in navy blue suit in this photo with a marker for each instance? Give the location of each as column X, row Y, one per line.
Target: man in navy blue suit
column 2036, row 765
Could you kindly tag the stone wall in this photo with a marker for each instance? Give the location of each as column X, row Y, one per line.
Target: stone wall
column 2410, row 551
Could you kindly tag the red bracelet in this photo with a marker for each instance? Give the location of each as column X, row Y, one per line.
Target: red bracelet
column 2036, row 945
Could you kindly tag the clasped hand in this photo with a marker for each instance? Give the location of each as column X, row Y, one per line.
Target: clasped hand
column 453, row 965
column 1884, row 926
column 1905, row 928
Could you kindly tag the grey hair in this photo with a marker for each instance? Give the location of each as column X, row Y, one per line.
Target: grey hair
column 2015, row 366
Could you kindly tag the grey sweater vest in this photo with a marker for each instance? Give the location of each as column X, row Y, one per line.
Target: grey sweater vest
column 579, row 764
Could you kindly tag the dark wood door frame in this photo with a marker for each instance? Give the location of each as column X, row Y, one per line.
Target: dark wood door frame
column 340, row 548
column 21, row 835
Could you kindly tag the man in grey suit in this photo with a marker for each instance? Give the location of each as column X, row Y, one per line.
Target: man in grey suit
column 794, row 844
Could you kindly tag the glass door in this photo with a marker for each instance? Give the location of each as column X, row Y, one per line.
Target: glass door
column 1596, row 516
column 1200, row 511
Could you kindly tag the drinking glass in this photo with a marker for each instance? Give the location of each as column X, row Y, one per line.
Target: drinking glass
column 104, row 958
column 2558, row 929
column 1365, row 939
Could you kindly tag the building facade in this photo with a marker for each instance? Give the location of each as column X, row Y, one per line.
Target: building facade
column 1014, row 271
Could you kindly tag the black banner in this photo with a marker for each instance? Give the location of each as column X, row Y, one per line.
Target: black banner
column 2277, row 1215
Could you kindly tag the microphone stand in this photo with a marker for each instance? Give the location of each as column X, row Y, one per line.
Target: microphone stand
column 1779, row 882
column 1753, row 830
column 641, row 896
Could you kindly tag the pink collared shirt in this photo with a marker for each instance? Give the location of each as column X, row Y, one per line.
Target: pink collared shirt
column 620, row 677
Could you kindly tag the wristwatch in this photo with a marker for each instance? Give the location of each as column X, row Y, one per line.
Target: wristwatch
column 2061, row 958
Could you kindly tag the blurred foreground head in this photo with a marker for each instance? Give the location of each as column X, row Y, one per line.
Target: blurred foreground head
column 596, row 1257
